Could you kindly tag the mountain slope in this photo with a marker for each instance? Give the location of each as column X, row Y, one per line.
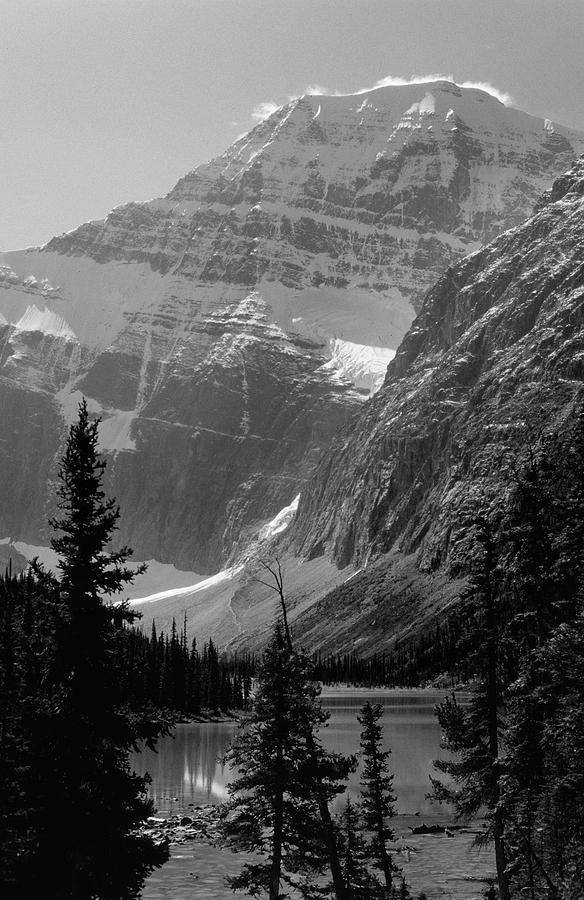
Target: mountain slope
column 226, row 331
column 497, row 349
column 381, row 542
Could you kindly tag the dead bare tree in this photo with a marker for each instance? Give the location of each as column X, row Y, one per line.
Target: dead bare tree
column 274, row 569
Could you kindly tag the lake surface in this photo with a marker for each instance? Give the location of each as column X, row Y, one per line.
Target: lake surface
column 187, row 767
column 187, row 770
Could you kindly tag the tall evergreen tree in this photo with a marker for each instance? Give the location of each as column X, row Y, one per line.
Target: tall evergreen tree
column 273, row 809
column 360, row 883
column 27, row 631
column 545, row 527
column 285, row 778
column 326, row 771
column 213, row 678
column 474, row 735
column 377, row 797
column 91, row 802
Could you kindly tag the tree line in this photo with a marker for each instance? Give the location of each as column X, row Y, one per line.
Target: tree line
column 167, row 672
column 438, row 650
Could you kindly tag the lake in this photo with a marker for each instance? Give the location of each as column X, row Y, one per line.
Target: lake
column 187, row 771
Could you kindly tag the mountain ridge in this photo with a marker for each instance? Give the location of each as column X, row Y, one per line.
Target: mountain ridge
column 226, row 331
column 499, row 346
column 383, row 541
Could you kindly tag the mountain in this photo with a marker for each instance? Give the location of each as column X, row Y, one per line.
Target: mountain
column 380, row 544
column 227, row 331
column 496, row 353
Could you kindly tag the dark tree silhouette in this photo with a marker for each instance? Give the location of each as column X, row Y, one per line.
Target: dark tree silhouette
column 474, row 735
column 92, row 803
column 377, row 797
column 273, row 809
column 360, row 883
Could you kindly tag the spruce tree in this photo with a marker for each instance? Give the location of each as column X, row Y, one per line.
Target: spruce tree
column 474, row 735
column 545, row 528
column 92, row 803
column 26, row 651
column 213, row 679
column 283, row 777
column 377, row 797
column 272, row 811
column 360, row 883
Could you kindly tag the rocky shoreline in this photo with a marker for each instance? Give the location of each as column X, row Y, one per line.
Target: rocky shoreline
column 201, row 824
column 436, row 858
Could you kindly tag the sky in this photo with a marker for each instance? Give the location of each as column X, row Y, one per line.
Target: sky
column 107, row 101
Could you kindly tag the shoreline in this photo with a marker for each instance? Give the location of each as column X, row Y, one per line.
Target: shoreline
column 442, row 861
column 338, row 689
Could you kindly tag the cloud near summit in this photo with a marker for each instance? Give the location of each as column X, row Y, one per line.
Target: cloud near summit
column 485, row 86
column 262, row 110
column 399, row 80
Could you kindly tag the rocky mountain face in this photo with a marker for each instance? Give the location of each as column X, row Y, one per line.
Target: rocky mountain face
column 226, row 331
column 497, row 350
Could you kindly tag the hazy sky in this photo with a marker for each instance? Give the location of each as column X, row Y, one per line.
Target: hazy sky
column 105, row 101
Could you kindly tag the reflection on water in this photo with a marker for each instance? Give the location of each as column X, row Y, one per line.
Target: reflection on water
column 410, row 731
column 187, row 771
column 187, row 767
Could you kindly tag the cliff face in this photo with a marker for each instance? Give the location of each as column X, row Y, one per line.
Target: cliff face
column 226, row 331
column 497, row 348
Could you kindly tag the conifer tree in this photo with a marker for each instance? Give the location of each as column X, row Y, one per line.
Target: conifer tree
column 360, row 883
column 474, row 735
column 273, row 810
column 213, row 679
column 285, row 777
column 377, row 797
column 326, row 771
column 26, row 640
column 92, row 803
column 545, row 526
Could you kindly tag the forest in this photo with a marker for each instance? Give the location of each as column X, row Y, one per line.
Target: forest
column 81, row 686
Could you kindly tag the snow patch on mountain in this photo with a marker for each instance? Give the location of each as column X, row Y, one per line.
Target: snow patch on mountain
column 189, row 590
column 280, row 521
column 46, row 321
column 69, row 402
column 222, row 579
column 358, row 315
column 158, row 579
column 114, row 431
column 115, row 425
column 425, row 107
column 94, row 298
column 45, row 555
column 8, row 275
column 360, row 364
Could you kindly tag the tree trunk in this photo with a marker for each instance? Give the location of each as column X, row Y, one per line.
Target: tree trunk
column 325, row 816
column 276, row 868
column 500, row 860
column 383, row 855
column 493, row 730
column 333, row 850
column 386, row 868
